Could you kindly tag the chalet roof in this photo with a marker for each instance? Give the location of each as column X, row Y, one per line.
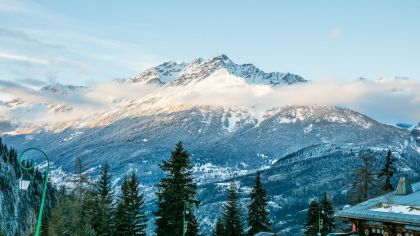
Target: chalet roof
column 391, row 207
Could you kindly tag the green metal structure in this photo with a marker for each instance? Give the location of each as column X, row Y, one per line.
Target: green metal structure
column 186, row 210
column 44, row 192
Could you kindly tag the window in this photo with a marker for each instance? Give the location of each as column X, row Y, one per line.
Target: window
column 377, row 232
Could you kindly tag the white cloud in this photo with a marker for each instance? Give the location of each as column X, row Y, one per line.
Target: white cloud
column 22, row 58
column 15, row 7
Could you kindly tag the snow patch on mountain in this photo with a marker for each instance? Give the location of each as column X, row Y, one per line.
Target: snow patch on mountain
column 308, row 128
column 161, row 74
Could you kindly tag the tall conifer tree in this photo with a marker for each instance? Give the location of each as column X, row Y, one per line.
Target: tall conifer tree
column 387, row 172
column 177, row 187
column 219, row 228
column 130, row 216
column 102, row 221
column 258, row 219
column 312, row 219
column 327, row 215
column 232, row 218
column 363, row 186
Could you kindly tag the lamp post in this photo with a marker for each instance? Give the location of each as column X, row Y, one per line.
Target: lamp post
column 24, row 183
column 184, row 222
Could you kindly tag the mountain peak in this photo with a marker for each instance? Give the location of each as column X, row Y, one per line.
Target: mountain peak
column 222, row 58
column 174, row 73
column 60, row 89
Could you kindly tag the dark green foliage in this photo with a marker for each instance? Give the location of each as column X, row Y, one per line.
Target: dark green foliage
column 177, row 187
column 363, row 186
column 327, row 215
column 86, row 230
column 102, row 221
column 66, row 217
column 130, row 216
column 258, row 215
column 75, row 211
column 232, row 218
column 192, row 226
column 386, row 173
column 312, row 219
column 219, row 228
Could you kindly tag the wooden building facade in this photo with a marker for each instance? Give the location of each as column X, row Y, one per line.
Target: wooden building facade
column 393, row 214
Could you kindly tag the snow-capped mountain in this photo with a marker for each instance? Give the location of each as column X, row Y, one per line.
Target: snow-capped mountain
column 174, row 73
column 227, row 138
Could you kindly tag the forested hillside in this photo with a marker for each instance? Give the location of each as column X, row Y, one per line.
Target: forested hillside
column 19, row 208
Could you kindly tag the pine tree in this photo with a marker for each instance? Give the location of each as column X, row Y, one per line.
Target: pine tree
column 327, row 215
column 66, row 215
column 387, row 172
column 192, row 226
column 88, row 208
column 81, row 179
column 86, row 230
column 75, row 211
column 232, row 218
column 102, row 223
column 130, row 215
column 312, row 219
column 363, row 186
column 176, row 188
column 258, row 219
column 219, row 228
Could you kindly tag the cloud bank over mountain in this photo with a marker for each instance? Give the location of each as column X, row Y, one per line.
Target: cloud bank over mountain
column 389, row 100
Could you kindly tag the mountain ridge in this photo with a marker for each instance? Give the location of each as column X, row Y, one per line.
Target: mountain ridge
column 173, row 73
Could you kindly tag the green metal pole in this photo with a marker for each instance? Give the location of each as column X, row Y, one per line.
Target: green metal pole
column 44, row 192
column 184, row 223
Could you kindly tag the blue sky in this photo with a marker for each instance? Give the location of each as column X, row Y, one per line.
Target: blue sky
column 86, row 42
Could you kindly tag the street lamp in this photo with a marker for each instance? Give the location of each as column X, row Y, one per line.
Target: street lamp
column 24, row 183
column 184, row 222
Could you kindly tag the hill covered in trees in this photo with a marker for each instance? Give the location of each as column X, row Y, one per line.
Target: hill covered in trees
column 19, row 208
